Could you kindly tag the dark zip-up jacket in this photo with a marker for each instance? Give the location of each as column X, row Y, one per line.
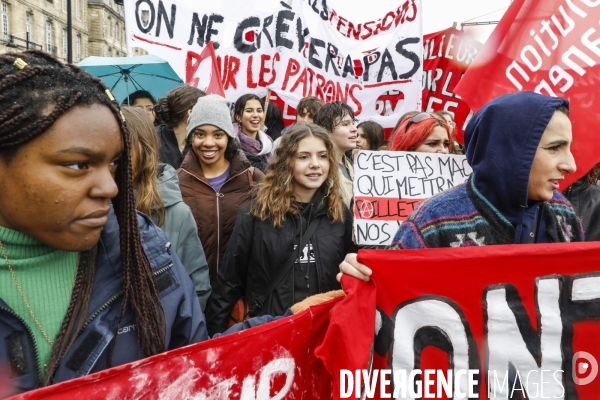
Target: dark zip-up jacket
column 169, row 148
column 215, row 213
column 585, row 199
column 257, row 250
column 89, row 353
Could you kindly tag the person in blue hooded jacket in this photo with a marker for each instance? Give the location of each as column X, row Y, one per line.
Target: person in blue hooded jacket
column 519, row 148
column 85, row 282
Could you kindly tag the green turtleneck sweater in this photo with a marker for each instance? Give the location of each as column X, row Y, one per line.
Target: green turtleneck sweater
column 46, row 276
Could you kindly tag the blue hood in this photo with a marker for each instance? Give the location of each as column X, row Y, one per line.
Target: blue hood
column 501, row 141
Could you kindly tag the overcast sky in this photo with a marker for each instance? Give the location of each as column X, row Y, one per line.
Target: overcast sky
column 437, row 14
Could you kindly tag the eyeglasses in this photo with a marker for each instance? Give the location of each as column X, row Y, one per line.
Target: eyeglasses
column 420, row 118
column 146, row 108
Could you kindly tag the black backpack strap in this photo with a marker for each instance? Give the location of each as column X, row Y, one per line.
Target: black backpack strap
column 258, row 303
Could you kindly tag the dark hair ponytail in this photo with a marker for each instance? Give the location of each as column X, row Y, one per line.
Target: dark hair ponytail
column 172, row 109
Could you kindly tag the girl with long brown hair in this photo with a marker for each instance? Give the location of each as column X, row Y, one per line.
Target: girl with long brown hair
column 157, row 195
column 301, row 189
column 85, row 282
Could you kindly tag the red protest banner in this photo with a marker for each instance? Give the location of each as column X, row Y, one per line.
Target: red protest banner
column 288, row 112
column 487, row 314
column 550, row 47
column 446, row 56
column 204, row 65
column 279, row 360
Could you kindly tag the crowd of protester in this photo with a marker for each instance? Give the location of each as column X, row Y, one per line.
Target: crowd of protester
column 231, row 206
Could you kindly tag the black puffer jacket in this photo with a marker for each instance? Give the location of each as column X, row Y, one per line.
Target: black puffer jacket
column 169, row 149
column 258, row 162
column 585, row 199
column 257, row 250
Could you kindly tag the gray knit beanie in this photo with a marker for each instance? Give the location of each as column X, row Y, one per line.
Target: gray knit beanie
column 211, row 110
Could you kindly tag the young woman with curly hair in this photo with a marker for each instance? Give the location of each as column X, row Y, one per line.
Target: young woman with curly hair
column 301, row 186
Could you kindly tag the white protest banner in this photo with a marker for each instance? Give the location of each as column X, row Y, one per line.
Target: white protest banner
column 363, row 30
column 389, row 185
column 289, row 49
column 337, row 67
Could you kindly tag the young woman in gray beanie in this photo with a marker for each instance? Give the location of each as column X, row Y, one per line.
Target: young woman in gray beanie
column 215, row 178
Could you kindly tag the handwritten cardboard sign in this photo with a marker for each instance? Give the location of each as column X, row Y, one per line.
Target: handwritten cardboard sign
column 389, row 185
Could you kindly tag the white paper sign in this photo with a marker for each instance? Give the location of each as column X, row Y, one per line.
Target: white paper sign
column 389, row 185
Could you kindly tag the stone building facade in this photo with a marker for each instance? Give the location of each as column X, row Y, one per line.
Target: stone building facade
column 106, row 27
column 98, row 27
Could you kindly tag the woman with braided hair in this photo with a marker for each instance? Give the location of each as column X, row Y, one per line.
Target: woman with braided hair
column 85, row 282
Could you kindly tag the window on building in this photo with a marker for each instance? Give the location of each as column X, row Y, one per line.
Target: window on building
column 77, row 9
column 78, row 49
column 64, row 5
column 109, row 27
column 65, row 48
column 49, row 36
column 109, row 52
column 28, row 24
column 5, row 30
column 117, row 32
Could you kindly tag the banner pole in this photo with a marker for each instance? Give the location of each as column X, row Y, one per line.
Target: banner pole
column 266, row 107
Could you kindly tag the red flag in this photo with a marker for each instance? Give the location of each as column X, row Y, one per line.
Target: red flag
column 295, row 357
column 551, row 47
column 447, row 55
column 271, row 361
column 533, row 308
column 349, row 336
column 202, row 71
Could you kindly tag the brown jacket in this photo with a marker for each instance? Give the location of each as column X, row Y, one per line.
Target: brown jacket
column 215, row 213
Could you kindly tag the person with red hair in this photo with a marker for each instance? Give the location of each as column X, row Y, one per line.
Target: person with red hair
column 423, row 132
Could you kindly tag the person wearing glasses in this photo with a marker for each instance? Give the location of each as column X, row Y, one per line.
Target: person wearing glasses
column 519, row 146
column 423, row 133
column 143, row 100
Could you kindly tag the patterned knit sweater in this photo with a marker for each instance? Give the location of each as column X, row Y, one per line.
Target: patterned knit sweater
column 462, row 217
